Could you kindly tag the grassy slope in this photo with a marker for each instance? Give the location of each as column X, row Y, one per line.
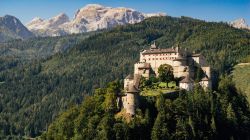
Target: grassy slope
column 241, row 77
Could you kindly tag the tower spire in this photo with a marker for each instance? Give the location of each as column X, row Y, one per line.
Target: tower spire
column 153, row 46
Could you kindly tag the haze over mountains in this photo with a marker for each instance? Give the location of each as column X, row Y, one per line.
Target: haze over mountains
column 89, row 18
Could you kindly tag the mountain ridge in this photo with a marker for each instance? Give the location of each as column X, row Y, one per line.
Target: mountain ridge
column 12, row 28
column 88, row 18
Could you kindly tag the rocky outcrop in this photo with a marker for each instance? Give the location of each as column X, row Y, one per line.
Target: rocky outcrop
column 50, row 27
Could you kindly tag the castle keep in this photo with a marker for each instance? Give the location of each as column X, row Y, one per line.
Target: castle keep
column 182, row 61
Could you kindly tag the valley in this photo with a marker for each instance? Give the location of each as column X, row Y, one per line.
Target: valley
column 33, row 94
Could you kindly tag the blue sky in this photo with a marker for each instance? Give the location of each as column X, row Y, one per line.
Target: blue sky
column 210, row 10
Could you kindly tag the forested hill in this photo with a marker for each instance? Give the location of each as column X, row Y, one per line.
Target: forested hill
column 195, row 115
column 33, row 95
column 18, row 52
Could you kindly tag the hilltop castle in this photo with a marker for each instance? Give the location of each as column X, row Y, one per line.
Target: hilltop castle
column 183, row 63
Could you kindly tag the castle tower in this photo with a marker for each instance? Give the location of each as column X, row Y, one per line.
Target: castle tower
column 187, row 83
column 180, row 68
column 207, row 71
column 205, row 82
column 153, row 46
column 131, row 99
column 142, row 69
column 128, row 80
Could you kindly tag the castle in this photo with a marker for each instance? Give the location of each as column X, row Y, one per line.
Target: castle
column 183, row 63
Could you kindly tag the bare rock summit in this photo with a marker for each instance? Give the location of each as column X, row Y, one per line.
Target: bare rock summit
column 92, row 17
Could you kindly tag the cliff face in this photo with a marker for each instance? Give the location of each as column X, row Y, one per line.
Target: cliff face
column 89, row 18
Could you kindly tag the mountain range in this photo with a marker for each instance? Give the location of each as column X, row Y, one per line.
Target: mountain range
column 89, row 18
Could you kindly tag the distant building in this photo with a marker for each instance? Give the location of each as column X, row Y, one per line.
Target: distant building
column 182, row 61
column 187, row 83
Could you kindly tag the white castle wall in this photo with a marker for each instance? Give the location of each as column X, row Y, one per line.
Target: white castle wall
column 181, row 71
column 156, row 60
column 207, row 71
column 127, row 82
column 186, row 86
column 199, row 59
column 143, row 72
column 205, row 84
column 130, row 106
column 136, row 67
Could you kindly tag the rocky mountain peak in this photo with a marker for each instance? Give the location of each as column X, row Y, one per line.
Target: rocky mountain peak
column 11, row 27
column 90, row 11
column 8, row 19
column 35, row 20
column 240, row 24
column 93, row 6
column 59, row 19
column 61, row 16
column 89, row 18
